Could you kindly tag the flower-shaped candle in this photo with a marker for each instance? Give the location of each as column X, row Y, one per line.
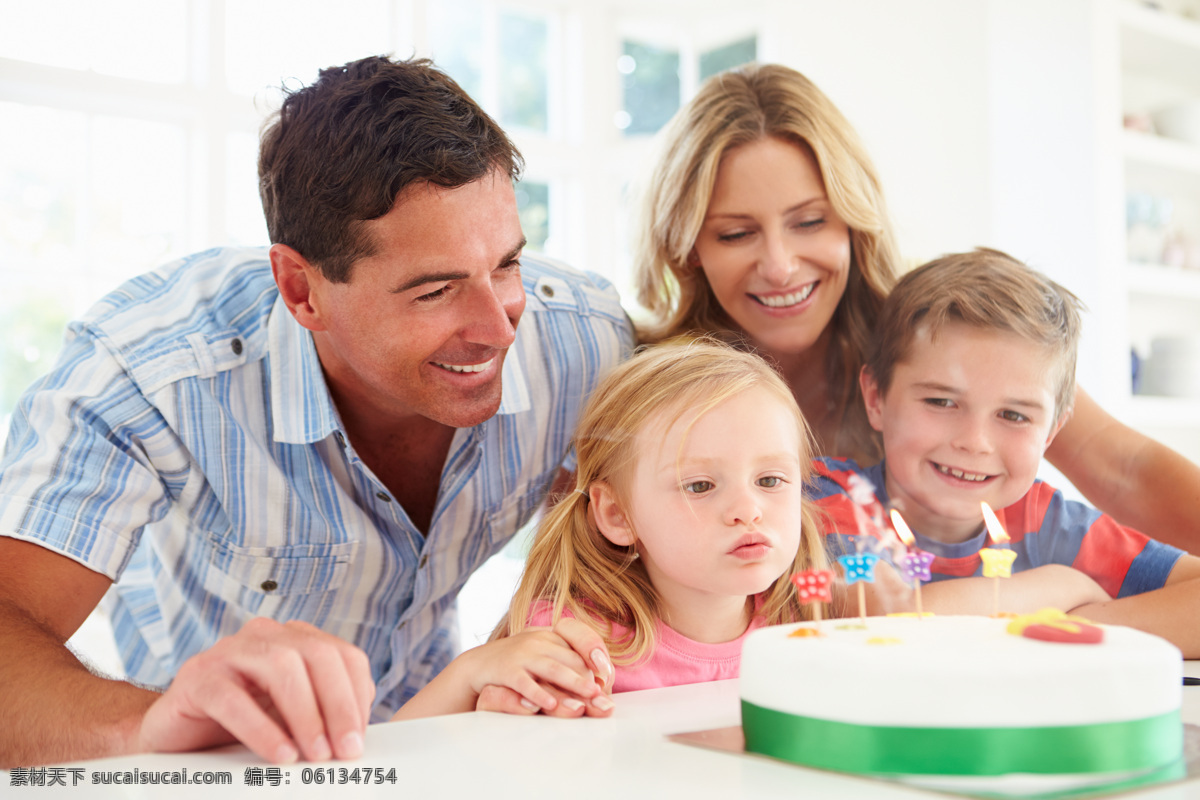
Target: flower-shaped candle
column 997, row 562
column 914, row 564
column 814, row 586
column 860, row 569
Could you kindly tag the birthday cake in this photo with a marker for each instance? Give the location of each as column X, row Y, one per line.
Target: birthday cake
column 962, row 696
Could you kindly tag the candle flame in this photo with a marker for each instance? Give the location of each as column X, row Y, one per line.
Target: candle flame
column 995, row 529
column 902, row 529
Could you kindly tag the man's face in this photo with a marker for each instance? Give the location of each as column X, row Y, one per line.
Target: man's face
column 422, row 327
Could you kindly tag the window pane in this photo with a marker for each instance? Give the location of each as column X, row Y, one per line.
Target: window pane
column 533, row 204
column 523, row 72
column 650, row 78
column 244, row 220
column 731, row 55
column 272, row 41
column 456, row 42
column 137, row 199
column 33, row 319
column 125, row 38
column 43, row 163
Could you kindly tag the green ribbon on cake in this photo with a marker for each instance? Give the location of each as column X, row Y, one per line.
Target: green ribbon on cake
column 841, row 746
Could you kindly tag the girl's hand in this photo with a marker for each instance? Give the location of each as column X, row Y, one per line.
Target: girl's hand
column 564, row 672
column 593, row 701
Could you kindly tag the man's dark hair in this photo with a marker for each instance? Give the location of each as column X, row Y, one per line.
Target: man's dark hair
column 339, row 152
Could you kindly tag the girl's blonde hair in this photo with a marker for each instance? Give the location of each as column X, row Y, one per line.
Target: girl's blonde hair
column 732, row 109
column 572, row 566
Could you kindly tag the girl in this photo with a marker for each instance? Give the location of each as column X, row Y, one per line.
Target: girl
column 764, row 218
column 686, row 519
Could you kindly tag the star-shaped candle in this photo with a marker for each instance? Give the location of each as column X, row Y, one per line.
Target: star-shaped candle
column 860, row 569
column 997, row 562
column 914, row 564
column 814, row 586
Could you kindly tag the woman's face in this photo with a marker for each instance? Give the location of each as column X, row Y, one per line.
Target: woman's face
column 772, row 248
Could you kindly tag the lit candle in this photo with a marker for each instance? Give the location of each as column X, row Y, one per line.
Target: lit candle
column 814, row 586
column 997, row 563
column 915, row 562
column 860, row 569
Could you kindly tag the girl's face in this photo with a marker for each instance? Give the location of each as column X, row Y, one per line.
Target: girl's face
column 716, row 509
column 773, row 250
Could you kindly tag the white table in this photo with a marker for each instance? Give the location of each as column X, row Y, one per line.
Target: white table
column 492, row 756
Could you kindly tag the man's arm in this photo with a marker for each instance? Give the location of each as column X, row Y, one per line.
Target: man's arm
column 1169, row 612
column 1141, row 482
column 53, row 709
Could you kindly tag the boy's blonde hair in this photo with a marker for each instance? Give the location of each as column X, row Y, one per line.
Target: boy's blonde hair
column 736, row 108
column 572, row 566
column 984, row 289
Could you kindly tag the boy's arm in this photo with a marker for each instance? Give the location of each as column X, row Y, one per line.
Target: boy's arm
column 1048, row 586
column 1169, row 612
column 552, row 671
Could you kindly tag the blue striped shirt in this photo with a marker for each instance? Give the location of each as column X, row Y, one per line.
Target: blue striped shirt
column 186, row 446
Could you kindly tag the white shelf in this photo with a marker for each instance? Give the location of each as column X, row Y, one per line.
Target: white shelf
column 1160, row 43
column 1147, row 411
column 1160, row 65
column 1161, row 153
column 1161, row 281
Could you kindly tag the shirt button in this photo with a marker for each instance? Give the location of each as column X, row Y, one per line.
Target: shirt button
column 269, row 586
column 236, row 346
column 548, row 291
column 383, row 496
column 424, row 561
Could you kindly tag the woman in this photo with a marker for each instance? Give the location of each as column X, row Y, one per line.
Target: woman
column 764, row 218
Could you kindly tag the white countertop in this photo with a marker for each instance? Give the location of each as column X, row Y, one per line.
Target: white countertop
column 493, row 756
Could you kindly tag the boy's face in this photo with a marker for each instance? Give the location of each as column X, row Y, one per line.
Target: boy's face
column 966, row 418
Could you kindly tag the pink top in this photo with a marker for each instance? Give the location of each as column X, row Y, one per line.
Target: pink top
column 676, row 659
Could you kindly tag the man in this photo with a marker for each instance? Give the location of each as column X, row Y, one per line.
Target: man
column 279, row 467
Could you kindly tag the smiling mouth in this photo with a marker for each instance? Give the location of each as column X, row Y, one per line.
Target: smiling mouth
column 786, row 300
column 461, row 368
column 973, row 477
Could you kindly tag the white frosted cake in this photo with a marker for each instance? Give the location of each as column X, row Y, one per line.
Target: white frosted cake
column 961, row 696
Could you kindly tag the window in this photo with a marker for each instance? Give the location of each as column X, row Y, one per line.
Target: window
column 728, row 56
column 650, row 79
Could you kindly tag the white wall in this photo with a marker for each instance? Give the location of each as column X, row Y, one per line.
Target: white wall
column 985, row 119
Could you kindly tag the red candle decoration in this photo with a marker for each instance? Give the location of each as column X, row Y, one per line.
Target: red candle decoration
column 814, row 586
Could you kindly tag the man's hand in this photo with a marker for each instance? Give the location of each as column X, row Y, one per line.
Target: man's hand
column 286, row 691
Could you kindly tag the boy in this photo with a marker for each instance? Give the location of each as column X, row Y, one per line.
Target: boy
column 970, row 375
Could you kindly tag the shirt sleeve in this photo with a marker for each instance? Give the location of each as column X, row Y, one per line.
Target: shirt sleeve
column 77, row 474
column 834, row 513
column 1122, row 560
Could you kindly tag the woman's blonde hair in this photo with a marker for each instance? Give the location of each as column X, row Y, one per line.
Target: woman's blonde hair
column 732, row 109
column 572, row 566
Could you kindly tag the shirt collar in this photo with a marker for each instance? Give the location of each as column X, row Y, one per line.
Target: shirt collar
column 302, row 410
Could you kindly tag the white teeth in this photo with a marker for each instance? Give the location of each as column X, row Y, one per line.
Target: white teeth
column 785, row 300
column 962, row 476
column 467, row 367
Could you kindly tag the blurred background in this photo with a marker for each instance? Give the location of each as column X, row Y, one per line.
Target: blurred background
column 1066, row 132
